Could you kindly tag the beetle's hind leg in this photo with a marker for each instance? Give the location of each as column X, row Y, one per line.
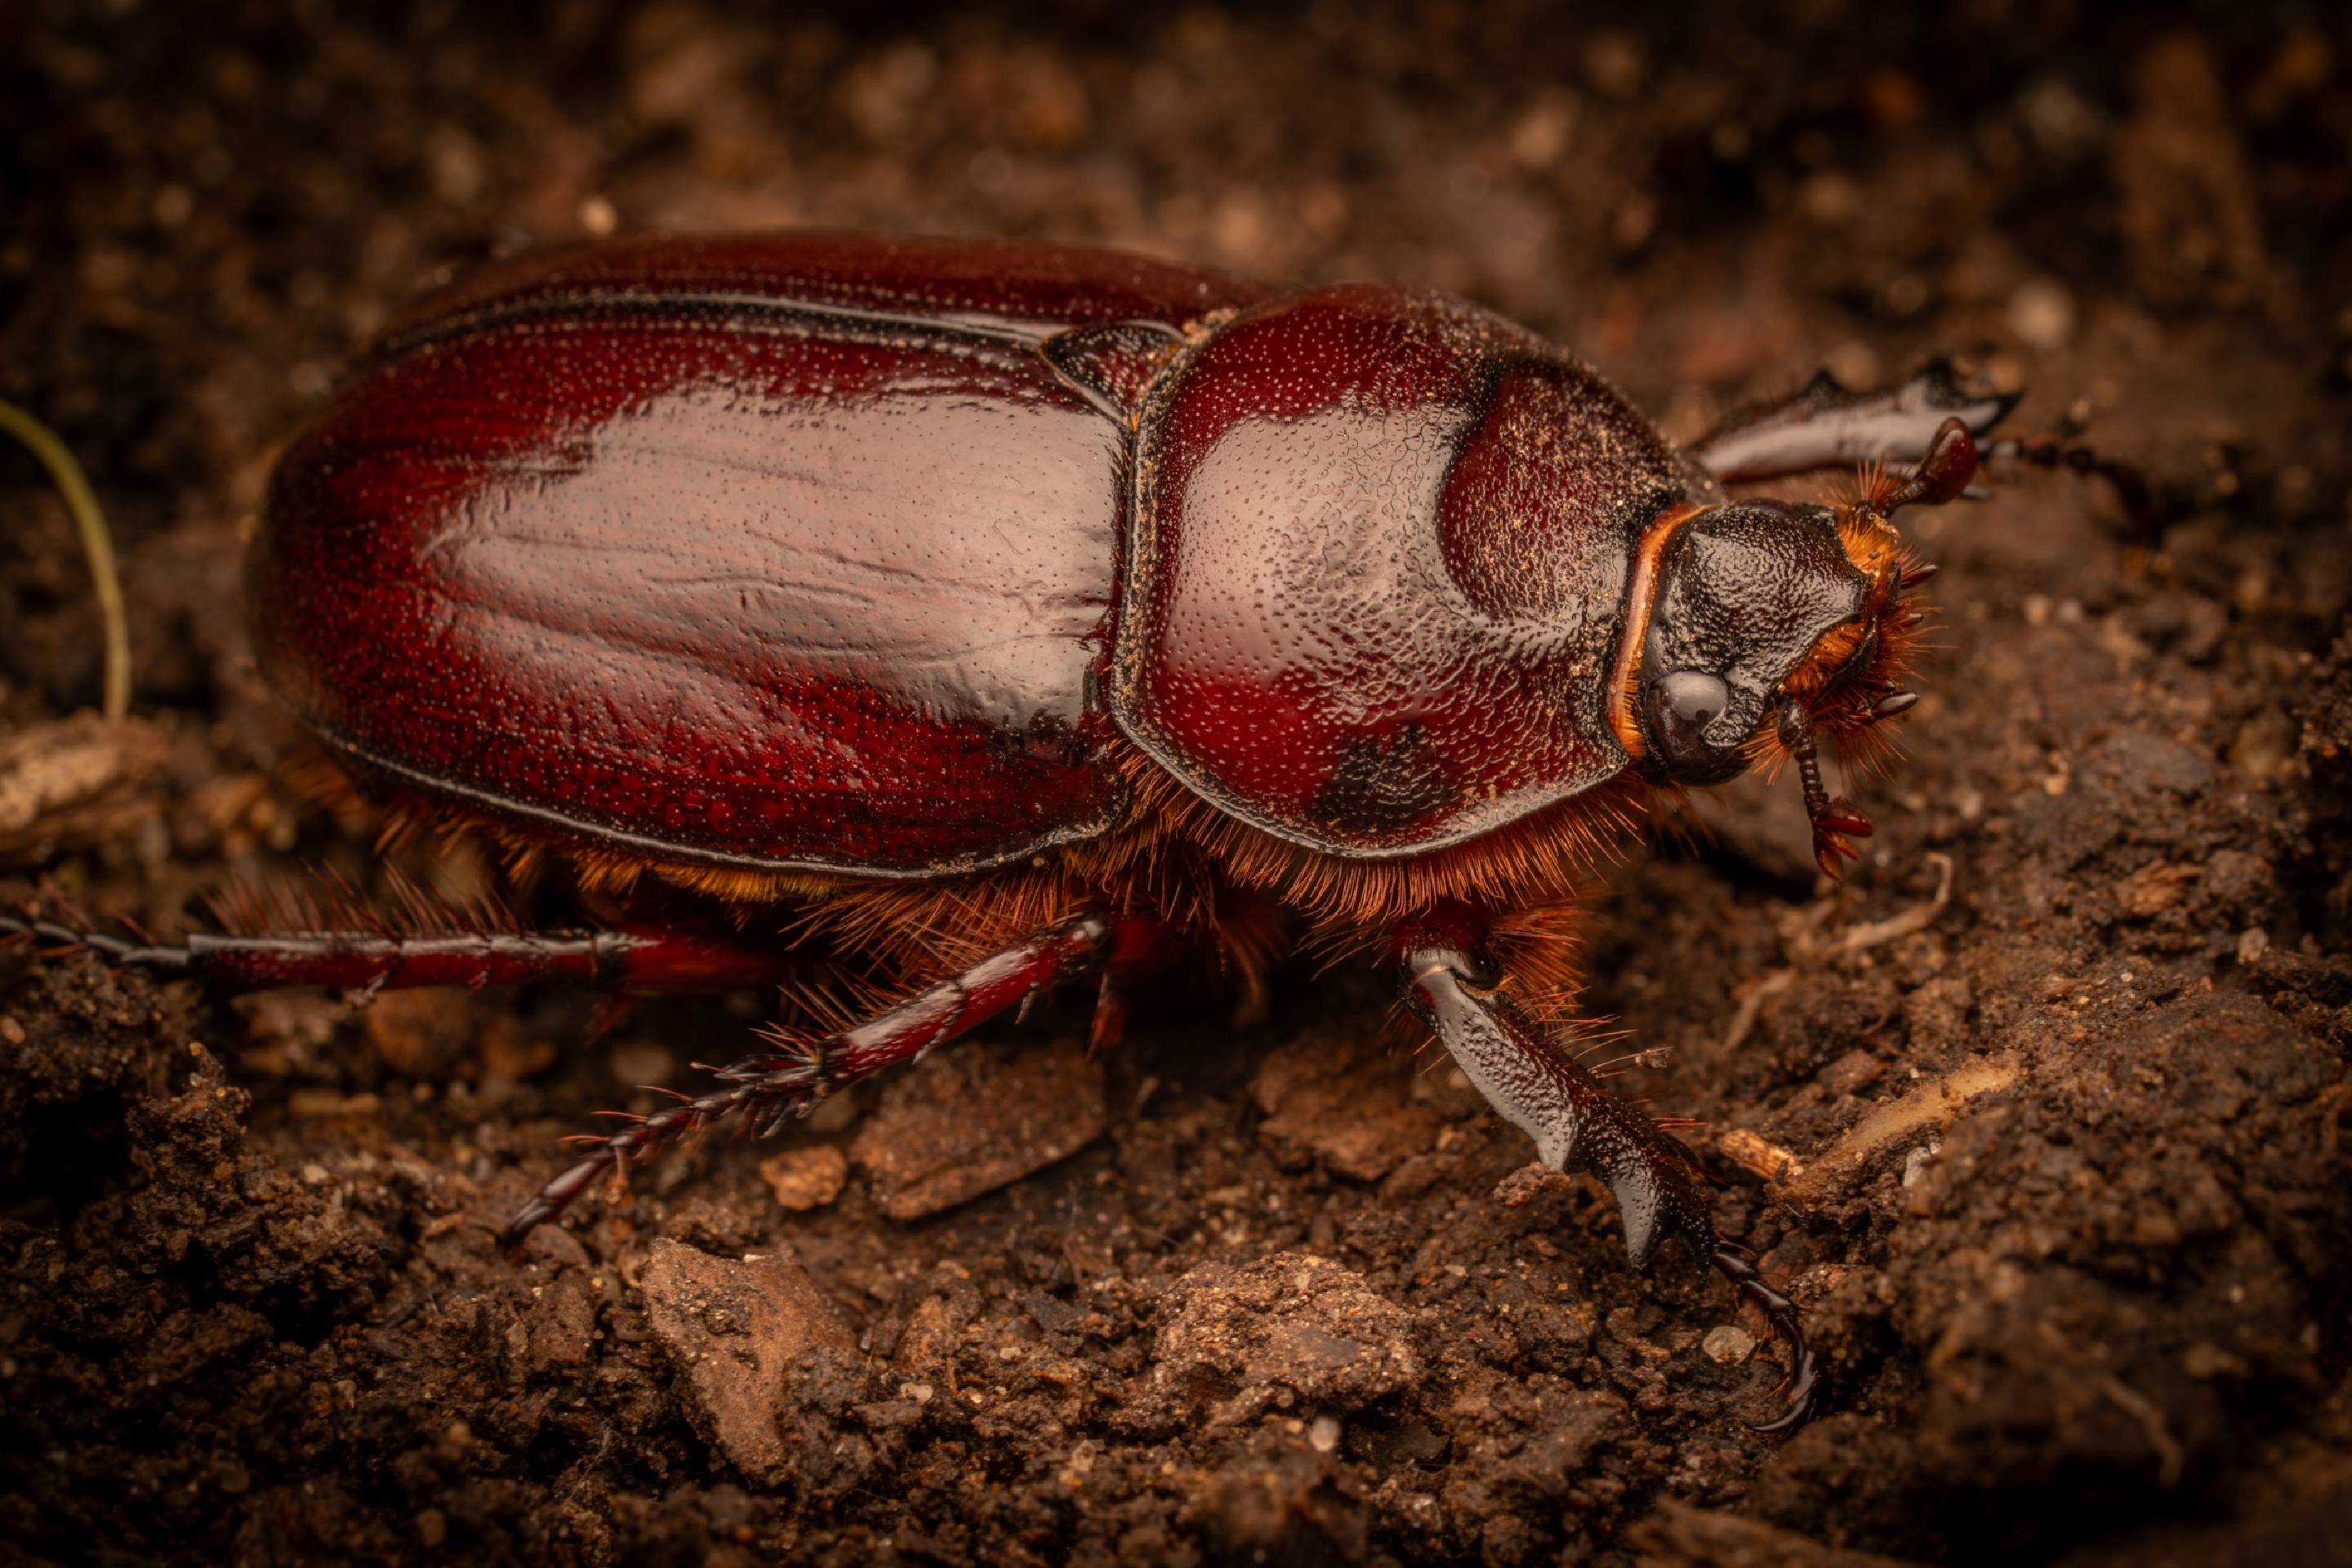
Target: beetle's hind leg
column 366, row 956
column 789, row 1079
column 1577, row 1124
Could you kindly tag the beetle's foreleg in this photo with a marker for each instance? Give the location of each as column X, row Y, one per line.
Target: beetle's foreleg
column 1577, row 1124
column 1827, row 426
column 766, row 1088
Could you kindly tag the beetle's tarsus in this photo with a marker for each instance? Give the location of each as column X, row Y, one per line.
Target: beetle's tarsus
column 648, row 1135
column 419, row 945
column 2052, row 451
column 1803, row 1385
column 112, row 949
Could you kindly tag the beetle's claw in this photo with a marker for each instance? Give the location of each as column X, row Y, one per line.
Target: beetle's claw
column 1831, row 853
column 1836, row 823
column 1803, row 1382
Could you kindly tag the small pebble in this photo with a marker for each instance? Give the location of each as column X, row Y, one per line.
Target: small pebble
column 741, row 1337
column 969, row 1122
column 1729, row 1345
column 1852, row 1073
column 2042, row 313
column 805, row 1179
column 1323, row 1435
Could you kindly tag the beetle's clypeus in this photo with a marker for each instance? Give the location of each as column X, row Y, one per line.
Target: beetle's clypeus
column 1012, row 613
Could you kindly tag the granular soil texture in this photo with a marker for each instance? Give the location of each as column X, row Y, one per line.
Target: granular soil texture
column 2042, row 1115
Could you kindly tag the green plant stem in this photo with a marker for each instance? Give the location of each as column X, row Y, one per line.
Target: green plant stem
column 90, row 523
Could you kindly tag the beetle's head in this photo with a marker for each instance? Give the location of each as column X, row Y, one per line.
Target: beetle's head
column 1761, row 625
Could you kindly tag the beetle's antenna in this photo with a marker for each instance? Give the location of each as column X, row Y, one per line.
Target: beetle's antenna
column 1836, row 820
column 1943, row 473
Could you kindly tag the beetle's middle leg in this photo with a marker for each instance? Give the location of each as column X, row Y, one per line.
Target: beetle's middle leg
column 1577, row 1123
column 796, row 1073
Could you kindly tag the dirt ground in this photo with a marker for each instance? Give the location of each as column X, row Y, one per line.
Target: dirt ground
column 2044, row 1116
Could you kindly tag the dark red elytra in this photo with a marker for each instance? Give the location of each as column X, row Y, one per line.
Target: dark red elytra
column 1007, row 613
column 752, row 553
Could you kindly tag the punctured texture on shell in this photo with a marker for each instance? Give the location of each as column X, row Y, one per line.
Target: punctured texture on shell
column 1377, row 569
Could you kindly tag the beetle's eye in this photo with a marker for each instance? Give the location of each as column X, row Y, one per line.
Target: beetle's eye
column 1682, row 705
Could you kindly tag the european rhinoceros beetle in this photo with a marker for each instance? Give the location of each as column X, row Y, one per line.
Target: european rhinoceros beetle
column 1016, row 613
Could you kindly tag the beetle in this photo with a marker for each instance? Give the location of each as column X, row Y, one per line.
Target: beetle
column 1012, row 614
